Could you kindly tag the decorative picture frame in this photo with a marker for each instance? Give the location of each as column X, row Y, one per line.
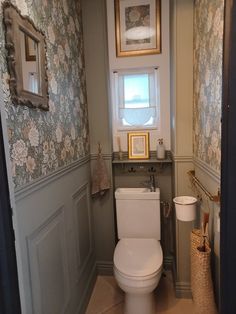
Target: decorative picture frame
column 137, row 27
column 30, row 51
column 138, row 145
column 17, row 25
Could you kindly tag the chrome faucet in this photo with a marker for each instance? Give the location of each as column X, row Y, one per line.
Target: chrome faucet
column 152, row 183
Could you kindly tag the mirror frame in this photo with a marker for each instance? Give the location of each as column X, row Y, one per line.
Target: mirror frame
column 14, row 23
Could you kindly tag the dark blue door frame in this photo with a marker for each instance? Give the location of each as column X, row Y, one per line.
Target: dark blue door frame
column 9, row 290
column 228, row 169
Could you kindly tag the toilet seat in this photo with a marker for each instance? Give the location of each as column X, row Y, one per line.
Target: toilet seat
column 144, row 279
column 135, row 258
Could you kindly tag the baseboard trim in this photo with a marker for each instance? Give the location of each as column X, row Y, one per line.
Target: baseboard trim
column 104, row 268
column 183, row 290
column 88, row 291
column 168, row 262
column 35, row 185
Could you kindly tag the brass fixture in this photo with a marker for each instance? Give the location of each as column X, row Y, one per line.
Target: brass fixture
column 196, row 182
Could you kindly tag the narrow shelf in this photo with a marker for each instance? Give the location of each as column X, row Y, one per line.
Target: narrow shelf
column 141, row 161
column 151, row 160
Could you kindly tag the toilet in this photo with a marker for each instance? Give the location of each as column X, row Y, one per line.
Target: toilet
column 138, row 256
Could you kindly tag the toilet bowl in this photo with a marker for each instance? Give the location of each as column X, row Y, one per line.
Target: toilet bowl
column 137, row 269
column 138, row 255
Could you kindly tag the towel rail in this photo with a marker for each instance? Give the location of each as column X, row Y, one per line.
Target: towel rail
column 196, row 182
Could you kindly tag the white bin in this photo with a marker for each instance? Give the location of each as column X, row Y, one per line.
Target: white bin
column 185, row 207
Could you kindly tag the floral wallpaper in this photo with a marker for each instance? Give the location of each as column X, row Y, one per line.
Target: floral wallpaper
column 40, row 142
column 208, row 47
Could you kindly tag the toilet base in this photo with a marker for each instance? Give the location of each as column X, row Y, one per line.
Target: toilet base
column 139, row 303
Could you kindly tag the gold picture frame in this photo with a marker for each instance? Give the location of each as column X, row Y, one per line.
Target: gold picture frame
column 138, row 145
column 138, row 27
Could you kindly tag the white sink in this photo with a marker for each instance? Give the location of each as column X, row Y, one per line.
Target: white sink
column 136, row 193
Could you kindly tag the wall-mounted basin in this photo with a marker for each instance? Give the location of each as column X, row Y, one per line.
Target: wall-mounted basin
column 137, row 193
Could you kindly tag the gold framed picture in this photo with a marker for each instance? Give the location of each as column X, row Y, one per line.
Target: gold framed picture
column 138, row 145
column 138, row 27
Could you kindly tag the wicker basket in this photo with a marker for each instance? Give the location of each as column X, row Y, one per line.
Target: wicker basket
column 201, row 281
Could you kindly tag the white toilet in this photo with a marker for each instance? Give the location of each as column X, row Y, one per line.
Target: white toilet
column 138, row 255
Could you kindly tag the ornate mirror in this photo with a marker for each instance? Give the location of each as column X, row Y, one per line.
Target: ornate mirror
column 26, row 60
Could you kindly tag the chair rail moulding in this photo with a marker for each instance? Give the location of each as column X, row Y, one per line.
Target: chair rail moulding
column 212, row 173
column 105, row 156
column 182, row 158
column 30, row 187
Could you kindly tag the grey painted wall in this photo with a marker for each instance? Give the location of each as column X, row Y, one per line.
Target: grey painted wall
column 96, row 63
column 181, row 12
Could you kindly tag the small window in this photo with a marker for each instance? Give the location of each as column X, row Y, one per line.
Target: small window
column 136, row 98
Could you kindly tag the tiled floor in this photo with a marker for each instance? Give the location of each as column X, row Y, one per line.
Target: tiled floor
column 108, row 298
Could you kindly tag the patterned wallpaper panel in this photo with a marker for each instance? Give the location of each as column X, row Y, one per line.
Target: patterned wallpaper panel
column 40, row 142
column 208, row 46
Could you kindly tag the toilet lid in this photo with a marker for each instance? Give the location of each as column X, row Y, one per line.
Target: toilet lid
column 138, row 257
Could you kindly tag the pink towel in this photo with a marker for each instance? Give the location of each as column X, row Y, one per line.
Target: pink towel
column 100, row 178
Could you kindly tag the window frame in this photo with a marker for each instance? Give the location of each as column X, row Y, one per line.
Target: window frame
column 154, row 71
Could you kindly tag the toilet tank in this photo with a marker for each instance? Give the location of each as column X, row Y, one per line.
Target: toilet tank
column 138, row 213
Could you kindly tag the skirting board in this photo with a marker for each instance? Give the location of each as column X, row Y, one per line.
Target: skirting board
column 182, row 289
column 104, row 268
column 168, row 262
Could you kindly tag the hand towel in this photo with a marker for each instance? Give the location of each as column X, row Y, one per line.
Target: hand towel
column 100, row 177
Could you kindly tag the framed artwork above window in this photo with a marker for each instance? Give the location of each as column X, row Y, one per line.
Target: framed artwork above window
column 138, row 27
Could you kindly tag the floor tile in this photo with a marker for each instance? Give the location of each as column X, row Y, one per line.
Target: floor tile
column 107, row 298
column 117, row 309
column 105, row 295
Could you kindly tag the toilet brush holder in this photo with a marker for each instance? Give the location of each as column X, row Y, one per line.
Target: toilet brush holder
column 185, row 207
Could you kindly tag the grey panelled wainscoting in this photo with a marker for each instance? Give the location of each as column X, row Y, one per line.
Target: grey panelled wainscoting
column 55, row 230
column 182, row 266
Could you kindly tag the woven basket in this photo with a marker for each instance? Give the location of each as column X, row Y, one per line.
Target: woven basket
column 201, row 281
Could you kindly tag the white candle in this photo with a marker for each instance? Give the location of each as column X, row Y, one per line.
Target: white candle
column 118, row 143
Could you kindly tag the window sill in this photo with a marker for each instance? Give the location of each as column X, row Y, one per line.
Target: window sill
column 136, row 129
